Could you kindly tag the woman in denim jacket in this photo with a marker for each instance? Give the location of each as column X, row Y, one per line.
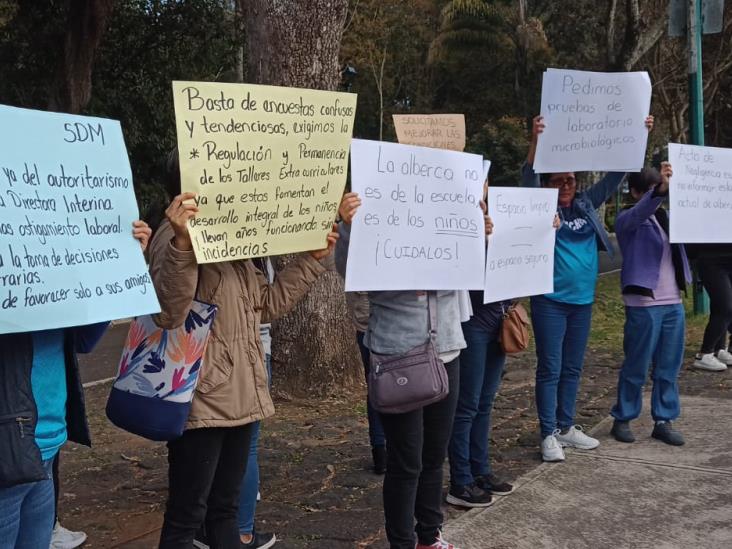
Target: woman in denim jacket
column 562, row 319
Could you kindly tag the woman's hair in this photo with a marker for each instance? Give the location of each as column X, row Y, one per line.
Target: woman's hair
column 544, row 178
column 172, row 174
column 644, row 180
column 171, row 185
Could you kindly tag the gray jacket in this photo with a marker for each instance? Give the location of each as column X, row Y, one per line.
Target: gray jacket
column 399, row 321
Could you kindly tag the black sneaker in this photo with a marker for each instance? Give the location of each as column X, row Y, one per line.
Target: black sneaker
column 664, row 431
column 491, row 483
column 621, row 431
column 201, row 541
column 469, row 496
column 379, row 455
column 260, row 541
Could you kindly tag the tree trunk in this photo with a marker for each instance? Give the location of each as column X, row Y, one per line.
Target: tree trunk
column 86, row 23
column 296, row 43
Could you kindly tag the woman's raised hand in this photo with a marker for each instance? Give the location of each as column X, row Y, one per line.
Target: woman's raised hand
column 649, row 122
column 331, row 240
column 142, row 232
column 182, row 209
column 349, row 204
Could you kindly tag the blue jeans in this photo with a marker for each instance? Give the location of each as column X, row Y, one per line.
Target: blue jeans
column 481, row 367
column 653, row 335
column 27, row 514
column 376, row 431
column 250, row 482
column 561, row 331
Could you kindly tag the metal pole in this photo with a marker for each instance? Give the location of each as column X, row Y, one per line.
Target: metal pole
column 696, row 114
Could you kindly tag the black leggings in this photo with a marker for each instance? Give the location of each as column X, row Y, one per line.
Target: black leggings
column 205, row 468
column 717, row 280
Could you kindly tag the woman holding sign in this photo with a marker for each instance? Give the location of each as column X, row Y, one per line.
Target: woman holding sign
column 417, row 440
column 562, row 319
column 654, row 273
column 42, row 406
column 207, row 463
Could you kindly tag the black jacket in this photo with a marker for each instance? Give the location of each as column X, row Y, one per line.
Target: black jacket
column 20, row 458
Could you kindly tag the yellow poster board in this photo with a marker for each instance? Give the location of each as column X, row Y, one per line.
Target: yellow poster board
column 268, row 164
column 439, row 131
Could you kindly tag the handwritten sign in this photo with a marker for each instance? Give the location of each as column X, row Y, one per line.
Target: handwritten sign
column 594, row 121
column 269, row 165
column 67, row 255
column 420, row 226
column 700, row 194
column 439, row 131
column 520, row 258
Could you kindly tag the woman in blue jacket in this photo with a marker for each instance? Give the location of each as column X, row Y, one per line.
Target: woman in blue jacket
column 562, row 319
column 653, row 275
column 41, row 407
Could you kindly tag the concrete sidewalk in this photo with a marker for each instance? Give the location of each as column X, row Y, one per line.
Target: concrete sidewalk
column 621, row 496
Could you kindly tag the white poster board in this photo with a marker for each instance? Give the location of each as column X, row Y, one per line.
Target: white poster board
column 700, row 194
column 520, row 258
column 67, row 255
column 420, row 226
column 594, row 121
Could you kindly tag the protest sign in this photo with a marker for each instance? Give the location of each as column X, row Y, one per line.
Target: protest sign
column 700, row 194
column 420, row 226
column 439, row 131
column 67, row 255
column 520, row 258
column 269, row 166
column 594, row 121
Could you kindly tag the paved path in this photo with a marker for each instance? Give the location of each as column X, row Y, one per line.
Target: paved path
column 645, row 495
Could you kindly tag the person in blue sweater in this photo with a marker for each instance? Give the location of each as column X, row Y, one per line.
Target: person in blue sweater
column 654, row 274
column 41, row 407
column 562, row 319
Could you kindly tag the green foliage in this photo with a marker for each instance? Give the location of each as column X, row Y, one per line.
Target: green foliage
column 504, row 142
column 147, row 45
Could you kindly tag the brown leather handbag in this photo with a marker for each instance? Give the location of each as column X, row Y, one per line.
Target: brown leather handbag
column 514, row 336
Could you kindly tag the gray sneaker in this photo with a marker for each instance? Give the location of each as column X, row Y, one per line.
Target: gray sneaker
column 621, row 431
column 665, row 432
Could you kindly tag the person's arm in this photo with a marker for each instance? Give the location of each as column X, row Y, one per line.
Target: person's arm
column 529, row 178
column 294, row 281
column 629, row 220
column 346, row 211
column 87, row 337
column 341, row 251
column 173, row 265
column 601, row 191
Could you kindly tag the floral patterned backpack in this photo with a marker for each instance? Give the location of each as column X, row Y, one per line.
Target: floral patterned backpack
column 158, row 373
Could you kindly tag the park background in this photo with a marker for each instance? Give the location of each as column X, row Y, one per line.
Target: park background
column 117, row 58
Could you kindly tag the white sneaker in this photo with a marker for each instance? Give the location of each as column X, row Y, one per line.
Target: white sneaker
column 576, row 438
column 725, row 357
column 66, row 539
column 551, row 450
column 709, row 363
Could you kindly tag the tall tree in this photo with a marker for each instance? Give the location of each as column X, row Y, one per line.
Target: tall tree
column 296, row 43
column 87, row 21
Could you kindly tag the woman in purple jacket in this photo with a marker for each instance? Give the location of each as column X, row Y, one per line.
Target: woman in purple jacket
column 654, row 273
